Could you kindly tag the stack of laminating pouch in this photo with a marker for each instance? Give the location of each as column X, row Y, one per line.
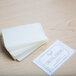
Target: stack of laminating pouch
column 22, row 40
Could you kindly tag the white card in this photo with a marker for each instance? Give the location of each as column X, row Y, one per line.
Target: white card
column 53, row 57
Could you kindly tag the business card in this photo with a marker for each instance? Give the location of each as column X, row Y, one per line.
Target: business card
column 53, row 57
